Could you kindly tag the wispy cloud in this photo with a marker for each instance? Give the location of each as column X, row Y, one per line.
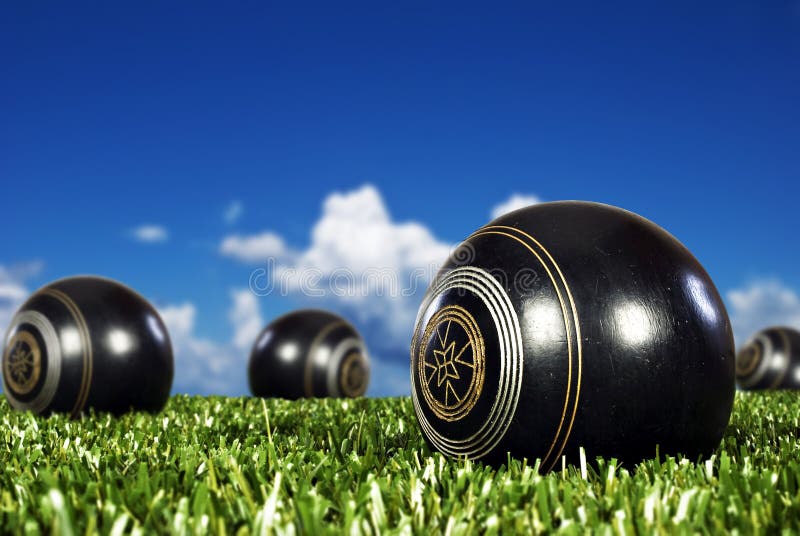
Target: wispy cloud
column 150, row 234
column 254, row 248
column 233, row 212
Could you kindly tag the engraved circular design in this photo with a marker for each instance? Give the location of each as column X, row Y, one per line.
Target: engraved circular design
column 494, row 296
column 343, row 350
column 22, row 362
column 22, row 323
column 748, row 360
column 770, row 357
column 451, row 362
column 762, row 357
column 506, row 324
column 765, row 347
column 353, row 378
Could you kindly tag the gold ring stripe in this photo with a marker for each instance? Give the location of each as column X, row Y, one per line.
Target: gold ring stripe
column 454, row 313
column 546, row 457
column 575, row 327
column 487, row 230
column 88, row 358
column 307, row 373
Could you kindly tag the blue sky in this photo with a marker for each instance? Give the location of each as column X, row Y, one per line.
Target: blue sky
column 122, row 115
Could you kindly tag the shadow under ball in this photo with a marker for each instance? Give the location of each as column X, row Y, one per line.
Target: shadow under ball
column 309, row 353
column 770, row 360
column 87, row 342
column 572, row 324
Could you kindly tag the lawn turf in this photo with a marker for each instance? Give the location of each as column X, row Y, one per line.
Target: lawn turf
column 243, row 465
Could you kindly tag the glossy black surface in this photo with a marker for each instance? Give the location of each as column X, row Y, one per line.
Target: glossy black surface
column 308, row 353
column 572, row 324
column 770, row 360
column 87, row 342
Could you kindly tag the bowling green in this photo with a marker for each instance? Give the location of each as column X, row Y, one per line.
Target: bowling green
column 241, row 466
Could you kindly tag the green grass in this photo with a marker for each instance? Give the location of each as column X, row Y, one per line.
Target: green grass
column 239, row 466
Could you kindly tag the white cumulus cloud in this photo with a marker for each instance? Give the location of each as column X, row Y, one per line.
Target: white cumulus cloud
column 516, row 201
column 761, row 304
column 245, row 317
column 179, row 319
column 361, row 263
column 357, row 232
column 150, row 234
column 206, row 367
column 359, row 260
column 201, row 365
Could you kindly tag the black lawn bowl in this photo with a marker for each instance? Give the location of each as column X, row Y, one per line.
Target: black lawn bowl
column 87, row 342
column 309, row 354
column 572, row 324
column 770, row 360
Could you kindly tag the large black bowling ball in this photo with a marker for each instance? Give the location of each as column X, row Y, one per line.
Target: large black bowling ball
column 87, row 342
column 770, row 360
column 309, row 353
column 572, row 324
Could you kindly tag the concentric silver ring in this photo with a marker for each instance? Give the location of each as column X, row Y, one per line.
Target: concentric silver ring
column 506, row 323
column 763, row 365
column 342, row 349
column 53, row 372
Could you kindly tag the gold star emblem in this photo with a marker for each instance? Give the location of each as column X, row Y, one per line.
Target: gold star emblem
column 446, row 368
column 22, row 363
column 447, row 363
